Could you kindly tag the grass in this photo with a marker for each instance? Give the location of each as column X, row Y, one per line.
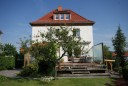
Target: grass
column 60, row 82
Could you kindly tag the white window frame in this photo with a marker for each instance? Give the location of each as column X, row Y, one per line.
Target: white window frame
column 66, row 16
column 61, row 16
column 77, row 33
column 56, row 16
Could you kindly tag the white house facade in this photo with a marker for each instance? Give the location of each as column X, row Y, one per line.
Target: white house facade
column 62, row 17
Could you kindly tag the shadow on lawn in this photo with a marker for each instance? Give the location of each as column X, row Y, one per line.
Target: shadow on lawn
column 117, row 82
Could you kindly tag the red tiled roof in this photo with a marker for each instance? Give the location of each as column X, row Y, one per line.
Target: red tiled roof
column 75, row 19
column 125, row 54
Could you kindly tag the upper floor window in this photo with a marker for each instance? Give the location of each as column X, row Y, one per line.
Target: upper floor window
column 76, row 32
column 56, row 16
column 61, row 16
column 67, row 16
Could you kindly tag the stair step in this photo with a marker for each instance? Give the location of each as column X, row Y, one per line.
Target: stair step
column 79, row 67
column 80, row 72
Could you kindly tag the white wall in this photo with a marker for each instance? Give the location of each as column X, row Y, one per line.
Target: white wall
column 86, row 33
column 36, row 30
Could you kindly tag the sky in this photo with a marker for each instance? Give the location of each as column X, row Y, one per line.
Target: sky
column 15, row 16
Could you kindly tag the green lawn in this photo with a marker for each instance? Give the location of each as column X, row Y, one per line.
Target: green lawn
column 59, row 82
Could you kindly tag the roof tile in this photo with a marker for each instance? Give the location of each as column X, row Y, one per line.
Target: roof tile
column 75, row 18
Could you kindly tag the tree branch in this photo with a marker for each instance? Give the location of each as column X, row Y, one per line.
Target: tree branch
column 61, row 56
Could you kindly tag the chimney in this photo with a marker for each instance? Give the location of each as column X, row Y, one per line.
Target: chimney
column 60, row 8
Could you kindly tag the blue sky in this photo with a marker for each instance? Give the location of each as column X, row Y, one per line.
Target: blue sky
column 15, row 16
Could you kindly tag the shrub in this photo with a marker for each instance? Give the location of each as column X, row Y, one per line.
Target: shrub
column 46, row 67
column 7, row 62
column 77, row 51
column 19, row 61
column 30, row 70
column 125, row 71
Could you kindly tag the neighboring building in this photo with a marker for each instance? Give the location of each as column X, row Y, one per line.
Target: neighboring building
column 62, row 17
column 125, row 55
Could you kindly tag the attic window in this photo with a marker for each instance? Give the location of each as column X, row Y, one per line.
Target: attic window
column 61, row 16
column 56, row 16
column 67, row 16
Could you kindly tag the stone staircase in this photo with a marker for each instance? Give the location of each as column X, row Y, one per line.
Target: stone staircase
column 82, row 70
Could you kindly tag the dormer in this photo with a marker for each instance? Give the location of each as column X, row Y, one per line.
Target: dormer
column 61, row 14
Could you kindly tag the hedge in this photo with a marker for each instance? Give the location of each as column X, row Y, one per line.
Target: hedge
column 7, row 62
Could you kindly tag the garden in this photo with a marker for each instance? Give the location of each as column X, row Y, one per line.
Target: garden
column 45, row 60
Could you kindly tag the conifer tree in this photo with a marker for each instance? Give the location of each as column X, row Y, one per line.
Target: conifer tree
column 119, row 43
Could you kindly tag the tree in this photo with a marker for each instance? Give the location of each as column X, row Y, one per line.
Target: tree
column 63, row 38
column 9, row 50
column 107, row 53
column 56, row 37
column 119, row 43
column 1, row 49
column 1, row 32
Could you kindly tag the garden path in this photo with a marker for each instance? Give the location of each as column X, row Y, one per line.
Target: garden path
column 10, row 73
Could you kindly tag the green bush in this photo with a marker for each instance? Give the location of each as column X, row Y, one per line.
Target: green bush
column 46, row 68
column 30, row 70
column 19, row 61
column 77, row 52
column 7, row 62
column 125, row 71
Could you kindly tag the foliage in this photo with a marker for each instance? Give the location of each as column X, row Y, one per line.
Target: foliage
column 63, row 38
column 30, row 70
column 1, row 32
column 3, row 78
column 9, row 50
column 1, row 49
column 107, row 53
column 7, row 62
column 77, row 51
column 19, row 60
column 25, row 44
column 125, row 71
column 69, row 51
column 44, row 52
column 119, row 43
column 46, row 68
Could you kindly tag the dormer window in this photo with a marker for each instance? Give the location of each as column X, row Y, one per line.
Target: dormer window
column 56, row 16
column 61, row 16
column 67, row 16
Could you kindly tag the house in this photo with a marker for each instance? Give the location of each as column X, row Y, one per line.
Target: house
column 62, row 17
column 125, row 55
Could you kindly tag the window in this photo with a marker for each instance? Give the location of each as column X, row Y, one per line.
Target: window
column 67, row 16
column 61, row 16
column 56, row 16
column 76, row 32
